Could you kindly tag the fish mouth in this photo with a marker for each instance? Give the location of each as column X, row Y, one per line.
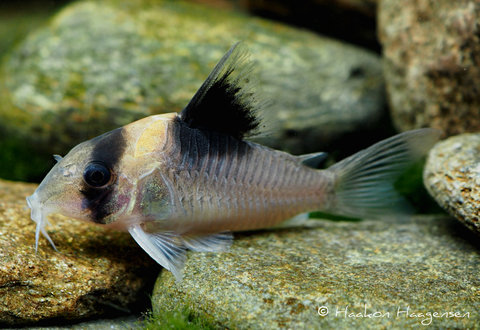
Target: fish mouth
column 39, row 216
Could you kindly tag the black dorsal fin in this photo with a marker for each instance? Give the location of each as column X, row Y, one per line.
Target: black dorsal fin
column 225, row 103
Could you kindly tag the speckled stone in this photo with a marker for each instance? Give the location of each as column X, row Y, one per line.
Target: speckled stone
column 431, row 54
column 102, row 64
column 452, row 177
column 120, row 323
column 280, row 279
column 96, row 272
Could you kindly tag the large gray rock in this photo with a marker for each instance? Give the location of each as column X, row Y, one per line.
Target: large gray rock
column 102, row 64
column 452, row 176
column 96, row 272
column 285, row 278
column 432, row 63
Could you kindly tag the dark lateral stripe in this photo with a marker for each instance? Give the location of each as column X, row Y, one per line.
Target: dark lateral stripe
column 108, row 149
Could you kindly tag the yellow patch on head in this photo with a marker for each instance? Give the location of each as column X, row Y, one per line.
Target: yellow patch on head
column 153, row 136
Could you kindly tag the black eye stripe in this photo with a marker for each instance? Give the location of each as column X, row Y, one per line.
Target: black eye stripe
column 109, row 147
column 108, row 150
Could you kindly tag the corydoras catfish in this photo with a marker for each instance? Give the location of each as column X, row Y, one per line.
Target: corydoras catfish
column 186, row 181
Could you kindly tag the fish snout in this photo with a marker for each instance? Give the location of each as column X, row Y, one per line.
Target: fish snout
column 34, row 205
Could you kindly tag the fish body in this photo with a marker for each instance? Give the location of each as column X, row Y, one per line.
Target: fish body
column 210, row 182
column 186, row 181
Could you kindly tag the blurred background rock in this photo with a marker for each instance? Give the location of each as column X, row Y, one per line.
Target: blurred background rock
column 353, row 21
column 98, row 65
column 431, row 56
column 17, row 18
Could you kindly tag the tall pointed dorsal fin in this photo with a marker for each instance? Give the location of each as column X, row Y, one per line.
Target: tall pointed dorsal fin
column 225, row 103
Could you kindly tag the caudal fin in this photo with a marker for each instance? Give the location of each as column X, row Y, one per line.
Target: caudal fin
column 364, row 181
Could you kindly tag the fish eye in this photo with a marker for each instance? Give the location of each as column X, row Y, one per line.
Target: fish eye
column 96, row 175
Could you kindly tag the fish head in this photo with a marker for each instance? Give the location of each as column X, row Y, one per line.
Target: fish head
column 60, row 190
column 87, row 184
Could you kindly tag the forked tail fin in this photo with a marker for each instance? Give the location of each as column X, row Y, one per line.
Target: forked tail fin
column 364, row 181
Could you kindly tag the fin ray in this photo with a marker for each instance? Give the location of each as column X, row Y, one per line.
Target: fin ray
column 209, row 243
column 165, row 248
column 364, row 181
column 225, row 102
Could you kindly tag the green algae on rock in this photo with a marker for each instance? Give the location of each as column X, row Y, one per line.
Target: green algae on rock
column 96, row 272
column 287, row 278
column 100, row 65
column 452, row 176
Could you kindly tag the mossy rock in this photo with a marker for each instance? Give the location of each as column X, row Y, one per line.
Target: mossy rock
column 336, row 275
column 96, row 272
column 99, row 65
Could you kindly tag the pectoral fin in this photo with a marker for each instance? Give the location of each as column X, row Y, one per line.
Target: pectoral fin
column 166, row 248
column 169, row 248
